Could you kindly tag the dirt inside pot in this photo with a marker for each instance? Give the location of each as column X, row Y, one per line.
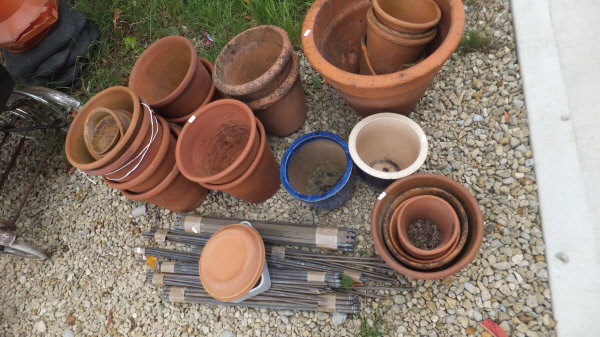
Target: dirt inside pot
column 323, row 178
column 105, row 135
column 385, row 165
column 222, row 149
column 424, row 234
column 317, row 167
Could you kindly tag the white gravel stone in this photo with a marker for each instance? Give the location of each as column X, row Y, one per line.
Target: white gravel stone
column 338, row 318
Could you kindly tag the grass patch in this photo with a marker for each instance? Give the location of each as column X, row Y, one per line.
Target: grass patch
column 127, row 27
column 476, row 41
column 373, row 330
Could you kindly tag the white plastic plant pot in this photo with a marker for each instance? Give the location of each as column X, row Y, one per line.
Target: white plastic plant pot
column 386, row 147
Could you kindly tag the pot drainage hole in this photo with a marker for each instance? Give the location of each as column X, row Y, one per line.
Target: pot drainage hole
column 424, row 234
column 385, row 165
column 323, row 178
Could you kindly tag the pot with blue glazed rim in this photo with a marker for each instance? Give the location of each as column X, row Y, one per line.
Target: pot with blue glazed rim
column 386, row 147
column 317, row 169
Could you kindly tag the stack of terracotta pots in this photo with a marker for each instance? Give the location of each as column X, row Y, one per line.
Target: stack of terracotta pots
column 260, row 68
column 25, row 23
column 427, row 226
column 397, row 33
column 223, row 146
column 171, row 78
column 120, row 139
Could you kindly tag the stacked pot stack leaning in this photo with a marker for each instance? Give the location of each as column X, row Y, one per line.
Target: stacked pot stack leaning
column 427, row 226
column 117, row 137
column 260, row 68
column 171, row 78
column 223, row 146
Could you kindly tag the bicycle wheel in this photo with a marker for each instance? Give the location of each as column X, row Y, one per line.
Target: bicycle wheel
column 22, row 249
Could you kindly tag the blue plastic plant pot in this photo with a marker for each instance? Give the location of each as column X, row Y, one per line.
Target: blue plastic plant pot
column 317, row 169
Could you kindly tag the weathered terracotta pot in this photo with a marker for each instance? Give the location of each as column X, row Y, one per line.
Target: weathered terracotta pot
column 437, row 211
column 160, row 165
column 260, row 181
column 170, row 77
column 390, row 197
column 409, row 16
column 389, row 50
column 284, row 110
column 175, row 192
column 103, row 128
column 208, row 99
column 218, row 143
column 387, row 147
column 232, row 262
column 114, row 98
column 254, row 63
column 25, row 23
column 331, row 36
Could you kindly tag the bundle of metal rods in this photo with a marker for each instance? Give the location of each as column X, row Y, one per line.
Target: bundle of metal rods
column 341, row 238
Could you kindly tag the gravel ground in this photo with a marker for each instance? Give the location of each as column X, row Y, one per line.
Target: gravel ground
column 93, row 285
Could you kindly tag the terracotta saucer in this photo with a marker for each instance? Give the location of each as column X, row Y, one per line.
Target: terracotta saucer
column 232, row 262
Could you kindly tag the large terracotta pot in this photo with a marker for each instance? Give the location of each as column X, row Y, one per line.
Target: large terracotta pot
column 254, row 63
column 170, row 77
column 284, row 110
column 218, row 143
column 175, row 192
column 420, row 181
column 409, row 16
column 208, row 99
column 114, row 98
column 331, row 36
column 25, row 23
column 159, row 165
column 260, row 181
column 389, row 50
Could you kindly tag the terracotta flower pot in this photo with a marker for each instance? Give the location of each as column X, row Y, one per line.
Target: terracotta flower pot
column 260, row 181
column 103, row 128
column 232, row 262
column 387, row 147
column 254, row 63
column 317, row 169
column 24, row 23
column 175, row 192
column 409, row 16
column 170, row 78
column 440, row 213
column 389, row 50
column 218, row 143
column 390, row 197
column 160, row 165
column 114, row 98
column 208, row 99
column 331, row 36
column 284, row 110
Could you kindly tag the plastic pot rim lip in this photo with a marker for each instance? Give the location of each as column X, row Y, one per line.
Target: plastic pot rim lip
column 110, row 156
column 195, row 118
column 343, row 78
column 187, row 79
column 261, row 81
column 407, row 24
column 209, row 97
column 450, row 269
column 388, row 175
column 296, row 146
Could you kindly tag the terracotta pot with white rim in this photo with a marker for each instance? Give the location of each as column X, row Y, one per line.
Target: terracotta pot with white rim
column 386, row 147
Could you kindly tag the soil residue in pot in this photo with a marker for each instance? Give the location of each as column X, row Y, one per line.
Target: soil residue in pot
column 424, row 234
column 323, row 178
column 385, row 165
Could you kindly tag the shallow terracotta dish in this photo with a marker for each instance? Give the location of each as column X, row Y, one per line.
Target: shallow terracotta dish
column 103, row 128
column 232, row 262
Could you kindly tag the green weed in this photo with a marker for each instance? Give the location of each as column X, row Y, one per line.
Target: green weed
column 475, row 41
column 373, row 330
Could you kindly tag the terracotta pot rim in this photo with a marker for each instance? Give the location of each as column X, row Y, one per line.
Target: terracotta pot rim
column 261, row 150
column 405, row 24
column 160, row 155
column 284, row 88
column 437, row 251
column 125, row 141
column 340, row 77
column 157, row 189
column 209, row 97
column 473, row 212
column 296, row 146
column 17, row 15
column 412, row 168
column 261, row 81
column 398, row 38
column 149, row 54
column 197, row 117
column 113, row 114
